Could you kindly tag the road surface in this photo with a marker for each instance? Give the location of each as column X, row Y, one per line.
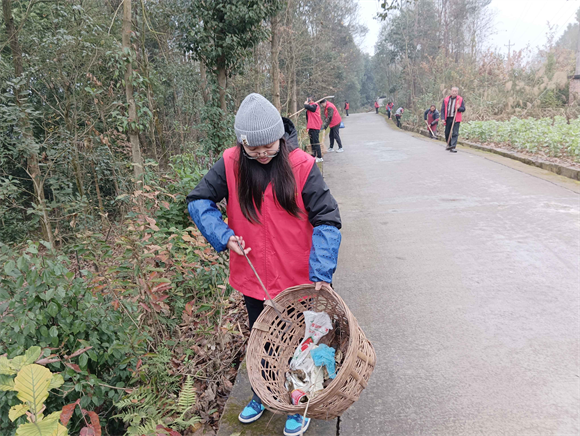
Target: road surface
column 463, row 270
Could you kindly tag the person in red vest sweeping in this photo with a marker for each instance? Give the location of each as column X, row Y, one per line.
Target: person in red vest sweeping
column 346, row 107
column 332, row 119
column 313, row 125
column 377, row 106
column 431, row 117
column 389, row 108
column 451, row 110
column 279, row 210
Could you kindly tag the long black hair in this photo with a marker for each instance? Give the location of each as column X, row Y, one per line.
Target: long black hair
column 253, row 178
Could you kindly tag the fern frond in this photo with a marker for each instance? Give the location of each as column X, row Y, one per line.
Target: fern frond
column 187, row 396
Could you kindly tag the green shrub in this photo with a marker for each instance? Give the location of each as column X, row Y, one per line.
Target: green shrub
column 43, row 303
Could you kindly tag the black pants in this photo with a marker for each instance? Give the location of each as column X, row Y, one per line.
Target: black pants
column 377, row 109
column 455, row 133
column 315, row 142
column 254, row 308
column 346, row 112
column 335, row 135
column 389, row 113
column 398, row 118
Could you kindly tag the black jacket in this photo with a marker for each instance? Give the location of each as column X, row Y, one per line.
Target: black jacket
column 319, row 203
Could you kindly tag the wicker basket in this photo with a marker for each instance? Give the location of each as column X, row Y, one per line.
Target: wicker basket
column 270, row 349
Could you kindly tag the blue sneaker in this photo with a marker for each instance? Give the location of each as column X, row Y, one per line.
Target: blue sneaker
column 251, row 412
column 294, row 425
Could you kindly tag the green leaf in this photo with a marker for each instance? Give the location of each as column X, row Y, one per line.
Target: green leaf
column 46, row 427
column 9, row 266
column 32, row 355
column 53, row 332
column 56, row 381
column 6, row 367
column 6, row 383
column 83, row 359
column 32, row 383
column 52, row 308
column 17, row 411
column 18, row 362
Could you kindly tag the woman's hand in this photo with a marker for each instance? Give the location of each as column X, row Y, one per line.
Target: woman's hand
column 318, row 285
column 233, row 245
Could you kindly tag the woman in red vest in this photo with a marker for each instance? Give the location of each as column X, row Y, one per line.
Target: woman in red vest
column 332, row 119
column 280, row 211
column 346, row 107
column 377, row 106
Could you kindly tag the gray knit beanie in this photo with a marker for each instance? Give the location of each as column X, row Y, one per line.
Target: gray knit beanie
column 258, row 122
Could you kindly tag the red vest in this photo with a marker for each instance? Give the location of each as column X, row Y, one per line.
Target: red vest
column 347, row 106
column 457, row 106
column 336, row 118
column 376, row 104
column 280, row 244
column 430, row 117
column 314, row 120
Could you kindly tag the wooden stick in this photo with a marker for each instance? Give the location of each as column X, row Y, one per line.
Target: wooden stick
column 318, row 101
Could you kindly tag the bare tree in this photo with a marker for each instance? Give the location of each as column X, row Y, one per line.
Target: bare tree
column 133, row 129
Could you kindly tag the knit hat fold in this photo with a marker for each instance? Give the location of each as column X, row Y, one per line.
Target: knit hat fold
column 258, row 122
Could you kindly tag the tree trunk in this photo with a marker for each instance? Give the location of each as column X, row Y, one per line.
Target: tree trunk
column 275, row 68
column 222, row 83
column 133, row 133
column 293, row 95
column 33, row 167
column 203, row 76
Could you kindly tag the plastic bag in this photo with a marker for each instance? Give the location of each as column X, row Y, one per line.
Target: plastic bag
column 317, row 325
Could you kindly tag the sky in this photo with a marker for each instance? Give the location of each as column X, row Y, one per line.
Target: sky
column 518, row 22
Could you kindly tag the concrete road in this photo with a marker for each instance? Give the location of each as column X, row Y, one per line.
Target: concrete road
column 464, row 272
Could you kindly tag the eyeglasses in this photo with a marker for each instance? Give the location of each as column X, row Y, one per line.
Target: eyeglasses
column 264, row 154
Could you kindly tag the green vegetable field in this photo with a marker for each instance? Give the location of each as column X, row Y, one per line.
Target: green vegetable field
column 553, row 137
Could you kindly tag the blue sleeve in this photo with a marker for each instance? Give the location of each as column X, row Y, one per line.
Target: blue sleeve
column 208, row 220
column 324, row 253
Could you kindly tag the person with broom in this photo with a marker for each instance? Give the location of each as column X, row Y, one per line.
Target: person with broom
column 389, row 108
column 452, row 108
column 398, row 115
column 313, row 125
column 332, row 119
column 431, row 117
column 280, row 213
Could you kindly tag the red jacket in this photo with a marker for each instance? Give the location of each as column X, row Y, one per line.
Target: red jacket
column 336, row 118
column 458, row 104
column 280, row 244
column 347, row 106
column 376, row 104
column 314, row 120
